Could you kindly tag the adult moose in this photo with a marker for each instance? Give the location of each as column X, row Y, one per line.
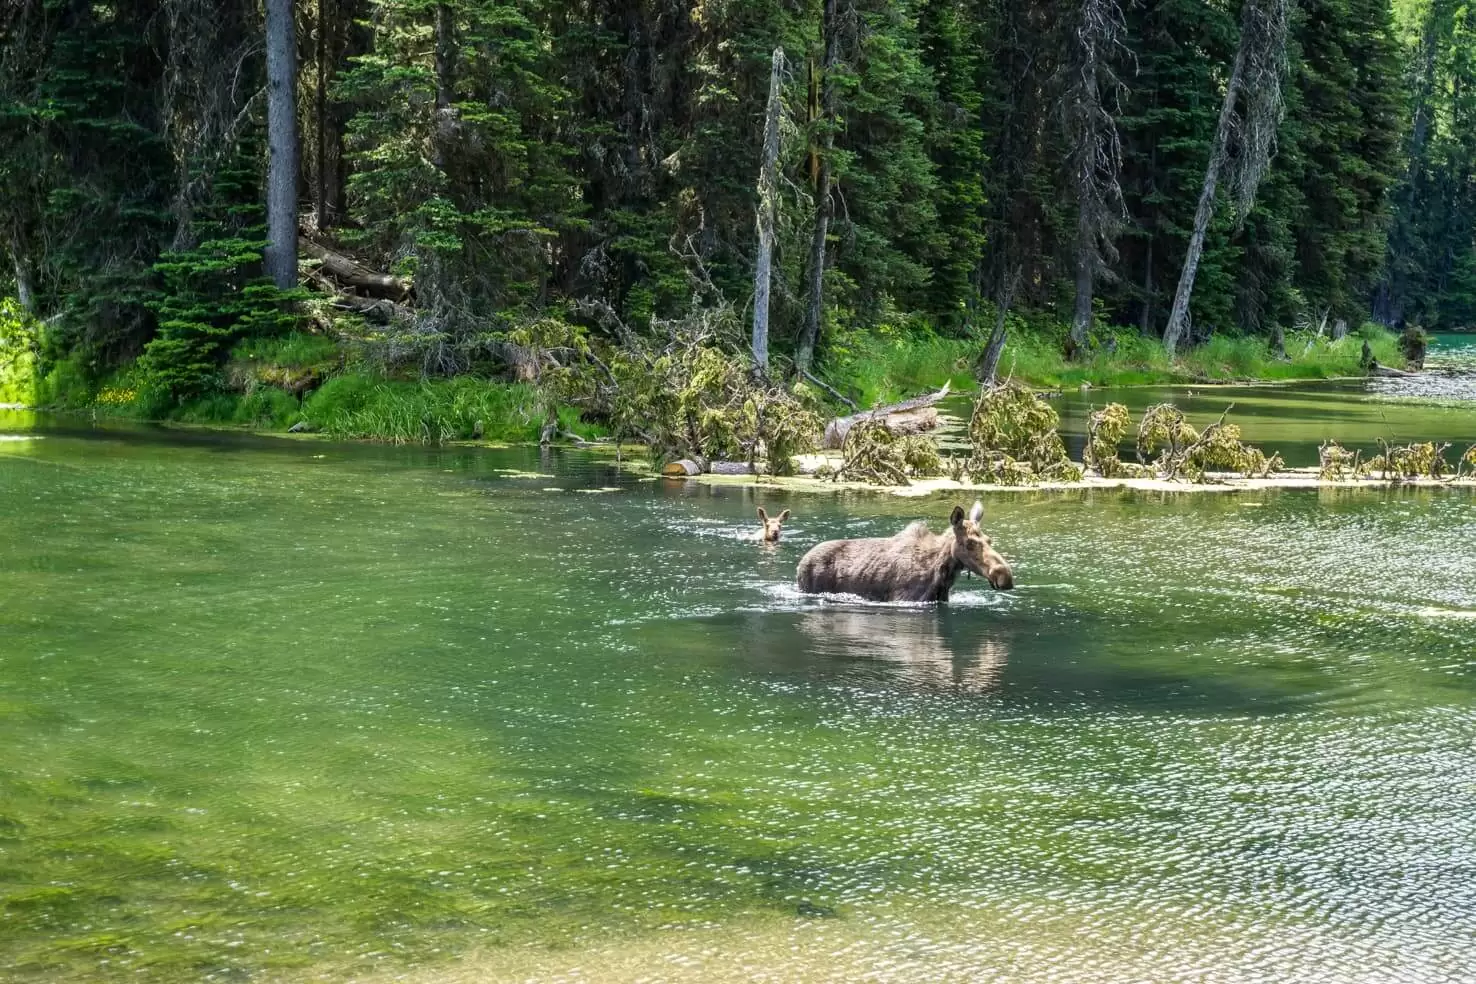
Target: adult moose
column 914, row 565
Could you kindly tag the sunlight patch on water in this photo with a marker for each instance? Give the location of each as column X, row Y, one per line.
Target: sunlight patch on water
column 788, row 597
column 1035, row 941
column 1466, row 613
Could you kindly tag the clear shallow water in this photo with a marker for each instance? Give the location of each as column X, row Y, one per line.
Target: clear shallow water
column 1294, row 419
column 278, row 711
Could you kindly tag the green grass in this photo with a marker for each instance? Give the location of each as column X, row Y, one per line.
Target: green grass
column 295, row 351
column 889, row 367
column 430, row 412
column 885, row 368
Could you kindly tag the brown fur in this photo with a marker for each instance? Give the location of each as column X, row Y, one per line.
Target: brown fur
column 770, row 531
column 914, row 565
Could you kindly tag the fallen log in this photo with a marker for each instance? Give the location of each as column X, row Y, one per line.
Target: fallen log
column 905, row 413
column 1374, row 369
column 916, row 421
column 379, row 310
column 348, row 271
column 730, row 468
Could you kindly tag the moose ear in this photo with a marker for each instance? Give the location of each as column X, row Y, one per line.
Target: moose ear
column 784, row 515
column 957, row 516
column 763, row 516
column 976, row 512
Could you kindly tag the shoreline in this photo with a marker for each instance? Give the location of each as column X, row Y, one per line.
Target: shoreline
column 633, row 462
column 1291, row 479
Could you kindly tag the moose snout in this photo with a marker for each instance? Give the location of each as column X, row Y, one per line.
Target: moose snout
column 998, row 573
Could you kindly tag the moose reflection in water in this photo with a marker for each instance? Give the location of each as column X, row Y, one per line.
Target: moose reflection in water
column 913, row 565
column 910, row 645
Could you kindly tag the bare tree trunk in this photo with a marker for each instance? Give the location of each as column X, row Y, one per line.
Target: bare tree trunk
column 280, row 257
column 988, row 367
column 824, row 204
column 1255, row 81
column 1081, row 315
column 1178, row 316
column 768, row 202
column 24, row 293
column 320, row 114
column 1096, row 153
column 1145, row 322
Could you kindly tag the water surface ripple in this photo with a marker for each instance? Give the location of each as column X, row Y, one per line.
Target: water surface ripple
column 282, row 712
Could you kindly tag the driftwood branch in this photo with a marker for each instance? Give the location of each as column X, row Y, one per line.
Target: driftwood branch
column 1375, row 369
column 347, row 271
column 836, row 430
column 375, row 309
column 829, row 389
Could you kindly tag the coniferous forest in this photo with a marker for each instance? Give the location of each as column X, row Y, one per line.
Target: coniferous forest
column 181, row 177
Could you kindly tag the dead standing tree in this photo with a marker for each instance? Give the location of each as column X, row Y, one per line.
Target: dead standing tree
column 1251, row 112
column 1092, row 94
column 768, row 204
column 280, row 257
column 987, row 368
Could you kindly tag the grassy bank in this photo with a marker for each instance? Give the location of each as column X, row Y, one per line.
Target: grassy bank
column 887, row 367
column 343, row 399
column 349, row 399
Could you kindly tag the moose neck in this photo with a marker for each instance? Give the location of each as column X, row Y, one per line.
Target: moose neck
column 949, row 565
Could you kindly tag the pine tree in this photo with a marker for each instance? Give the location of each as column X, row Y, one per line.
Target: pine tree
column 950, row 41
column 457, row 177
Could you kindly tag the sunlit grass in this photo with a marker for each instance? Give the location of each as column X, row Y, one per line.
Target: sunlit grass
column 430, row 412
column 884, row 368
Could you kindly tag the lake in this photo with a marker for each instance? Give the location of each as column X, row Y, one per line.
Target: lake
column 300, row 711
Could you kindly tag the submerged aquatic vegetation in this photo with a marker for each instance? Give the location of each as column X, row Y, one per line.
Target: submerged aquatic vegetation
column 1015, row 438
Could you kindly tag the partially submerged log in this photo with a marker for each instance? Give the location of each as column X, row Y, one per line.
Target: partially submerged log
column 1374, row 369
column 916, row 421
column 350, row 272
column 905, row 415
column 689, row 467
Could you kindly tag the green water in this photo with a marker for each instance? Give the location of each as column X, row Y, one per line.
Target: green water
column 1293, row 419
column 277, row 711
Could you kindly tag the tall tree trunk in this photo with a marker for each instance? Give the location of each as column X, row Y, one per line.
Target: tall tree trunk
column 1096, row 155
column 1145, row 322
column 1389, row 296
column 24, row 292
column 768, row 203
column 1178, row 316
column 352, row 37
column 824, row 204
column 320, row 118
column 280, row 257
column 988, row 367
column 1255, row 81
column 1081, row 315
